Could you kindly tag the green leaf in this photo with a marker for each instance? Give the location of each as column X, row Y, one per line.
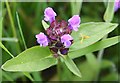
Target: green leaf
column 87, row 72
column 76, row 6
column 33, row 59
column 71, row 66
column 14, row 75
column 8, row 77
column 28, row 75
column 95, row 31
column 109, row 13
column 95, row 47
column 65, row 72
column 105, row 2
column 106, row 64
column 113, row 76
column 92, row 60
column 45, row 25
column 37, row 76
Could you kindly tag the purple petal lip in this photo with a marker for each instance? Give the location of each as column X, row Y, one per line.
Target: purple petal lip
column 117, row 5
column 42, row 39
column 74, row 22
column 49, row 14
column 66, row 40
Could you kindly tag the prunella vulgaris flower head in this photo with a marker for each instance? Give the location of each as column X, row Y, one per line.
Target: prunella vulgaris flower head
column 58, row 34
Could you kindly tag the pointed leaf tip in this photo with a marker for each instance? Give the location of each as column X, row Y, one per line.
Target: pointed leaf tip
column 45, row 25
column 72, row 66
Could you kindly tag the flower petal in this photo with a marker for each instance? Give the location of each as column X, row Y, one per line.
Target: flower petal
column 66, row 40
column 117, row 5
column 49, row 14
column 67, row 44
column 66, row 37
column 42, row 39
column 74, row 22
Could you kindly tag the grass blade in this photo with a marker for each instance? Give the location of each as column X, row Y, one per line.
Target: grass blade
column 11, row 19
column 9, row 39
column 21, row 31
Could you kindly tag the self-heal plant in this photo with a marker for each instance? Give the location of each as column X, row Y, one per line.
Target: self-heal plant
column 58, row 38
column 58, row 35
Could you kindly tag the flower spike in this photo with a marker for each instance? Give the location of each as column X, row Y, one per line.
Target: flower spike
column 58, row 34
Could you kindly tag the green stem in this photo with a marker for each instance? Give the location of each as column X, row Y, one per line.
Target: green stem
column 99, row 57
column 108, row 16
column 100, row 53
column 11, row 19
column 36, row 76
column 59, row 69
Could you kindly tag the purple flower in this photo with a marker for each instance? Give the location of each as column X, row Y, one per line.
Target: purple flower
column 57, row 29
column 66, row 40
column 74, row 22
column 117, row 5
column 58, row 36
column 49, row 14
column 42, row 39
